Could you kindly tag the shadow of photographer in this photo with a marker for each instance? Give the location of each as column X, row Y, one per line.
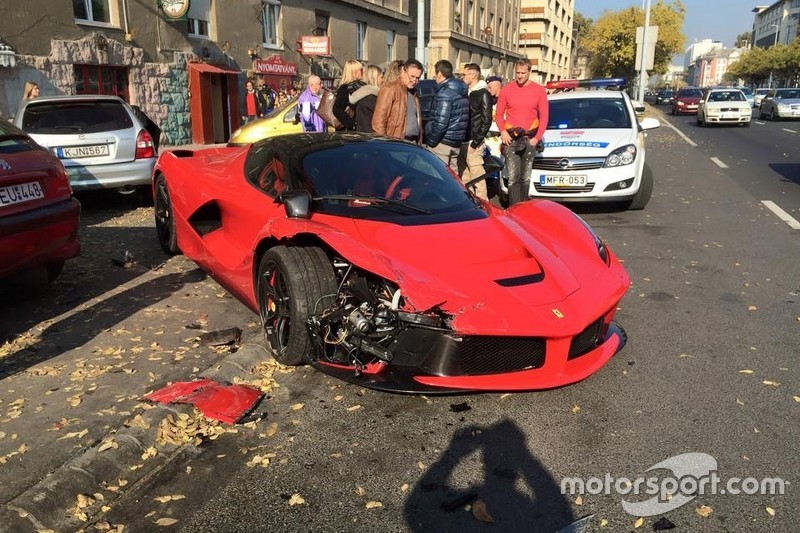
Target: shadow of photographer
column 518, row 492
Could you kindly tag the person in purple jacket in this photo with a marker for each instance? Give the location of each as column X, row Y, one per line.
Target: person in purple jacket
column 307, row 105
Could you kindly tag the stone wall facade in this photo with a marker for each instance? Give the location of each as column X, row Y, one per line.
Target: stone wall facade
column 159, row 89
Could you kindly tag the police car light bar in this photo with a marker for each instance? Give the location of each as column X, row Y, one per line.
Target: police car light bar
column 595, row 83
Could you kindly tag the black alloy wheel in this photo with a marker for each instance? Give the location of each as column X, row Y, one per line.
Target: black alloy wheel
column 165, row 221
column 293, row 283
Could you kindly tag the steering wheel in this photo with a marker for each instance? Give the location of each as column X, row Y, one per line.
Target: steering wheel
column 399, row 188
column 603, row 123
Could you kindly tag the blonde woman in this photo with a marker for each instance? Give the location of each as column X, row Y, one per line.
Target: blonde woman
column 352, row 73
column 363, row 99
column 31, row 90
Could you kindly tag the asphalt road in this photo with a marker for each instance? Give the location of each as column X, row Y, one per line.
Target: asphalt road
column 713, row 317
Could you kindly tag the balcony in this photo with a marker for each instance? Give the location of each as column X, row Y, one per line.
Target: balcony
column 529, row 14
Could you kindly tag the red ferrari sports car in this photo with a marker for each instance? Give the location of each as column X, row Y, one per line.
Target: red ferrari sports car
column 367, row 258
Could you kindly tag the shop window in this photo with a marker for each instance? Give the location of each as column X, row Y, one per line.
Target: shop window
column 101, row 79
column 361, row 38
column 270, row 18
column 198, row 17
column 92, row 10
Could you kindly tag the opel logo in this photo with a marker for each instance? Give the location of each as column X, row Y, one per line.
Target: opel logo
column 564, row 163
column 4, row 165
column 81, row 136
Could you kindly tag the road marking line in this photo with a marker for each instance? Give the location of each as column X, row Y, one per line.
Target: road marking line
column 719, row 163
column 679, row 132
column 787, row 129
column 781, row 214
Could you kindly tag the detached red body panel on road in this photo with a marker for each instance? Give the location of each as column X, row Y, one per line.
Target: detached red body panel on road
column 226, row 403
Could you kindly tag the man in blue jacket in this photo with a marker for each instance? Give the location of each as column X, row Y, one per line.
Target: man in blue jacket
column 448, row 123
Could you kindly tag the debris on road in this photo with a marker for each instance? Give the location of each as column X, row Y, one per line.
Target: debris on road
column 226, row 403
column 221, row 337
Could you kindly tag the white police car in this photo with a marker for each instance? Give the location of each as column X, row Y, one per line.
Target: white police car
column 594, row 147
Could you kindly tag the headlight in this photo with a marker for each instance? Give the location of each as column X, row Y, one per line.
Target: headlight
column 625, row 155
column 681, row 103
column 602, row 250
column 784, row 107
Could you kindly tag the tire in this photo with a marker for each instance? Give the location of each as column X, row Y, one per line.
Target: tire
column 645, row 191
column 747, row 124
column 53, row 270
column 165, row 221
column 673, row 112
column 293, row 282
column 761, row 114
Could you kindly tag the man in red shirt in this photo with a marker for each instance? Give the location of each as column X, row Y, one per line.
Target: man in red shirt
column 521, row 115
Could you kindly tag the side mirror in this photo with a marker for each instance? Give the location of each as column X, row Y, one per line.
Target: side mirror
column 297, row 204
column 649, row 123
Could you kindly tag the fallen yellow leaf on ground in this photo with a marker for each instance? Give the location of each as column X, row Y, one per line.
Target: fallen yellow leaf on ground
column 479, row 512
column 296, row 499
column 373, row 505
column 164, row 522
column 770, row 511
column 704, row 511
column 639, row 522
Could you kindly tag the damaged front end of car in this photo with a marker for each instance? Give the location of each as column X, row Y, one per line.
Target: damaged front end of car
column 367, row 336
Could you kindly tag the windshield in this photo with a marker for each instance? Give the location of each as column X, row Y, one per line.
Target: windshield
column 71, row 116
column 690, row 93
column 726, row 96
column 746, row 91
column 762, row 92
column 588, row 113
column 787, row 93
column 277, row 111
column 383, row 180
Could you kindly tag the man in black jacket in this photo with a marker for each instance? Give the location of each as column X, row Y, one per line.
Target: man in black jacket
column 480, row 120
column 447, row 126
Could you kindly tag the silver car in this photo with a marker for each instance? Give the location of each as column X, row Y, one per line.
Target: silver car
column 99, row 139
column 780, row 103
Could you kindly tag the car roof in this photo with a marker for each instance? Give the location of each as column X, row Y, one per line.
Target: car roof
column 575, row 95
column 75, row 97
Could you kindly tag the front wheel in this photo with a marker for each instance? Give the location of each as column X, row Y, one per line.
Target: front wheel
column 165, row 220
column 642, row 196
column 293, row 283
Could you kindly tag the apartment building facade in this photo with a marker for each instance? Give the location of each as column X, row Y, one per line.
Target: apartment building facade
column 776, row 23
column 184, row 63
column 546, row 37
column 484, row 32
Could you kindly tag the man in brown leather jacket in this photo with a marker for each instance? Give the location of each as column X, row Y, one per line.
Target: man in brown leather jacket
column 397, row 111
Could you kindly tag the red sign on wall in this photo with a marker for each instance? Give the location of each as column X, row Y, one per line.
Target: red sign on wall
column 312, row 45
column 276, row 66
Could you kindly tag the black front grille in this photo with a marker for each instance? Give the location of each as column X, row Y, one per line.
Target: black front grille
column 563, row 190
column 587, row 339
column 578, row 163
column 496, row 355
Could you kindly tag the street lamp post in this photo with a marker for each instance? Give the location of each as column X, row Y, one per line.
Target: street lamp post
column 777, row 27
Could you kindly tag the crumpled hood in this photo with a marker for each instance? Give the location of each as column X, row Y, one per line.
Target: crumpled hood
column 446, row 263
column 585, row 142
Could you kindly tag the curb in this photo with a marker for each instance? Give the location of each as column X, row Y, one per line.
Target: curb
column 51, row 503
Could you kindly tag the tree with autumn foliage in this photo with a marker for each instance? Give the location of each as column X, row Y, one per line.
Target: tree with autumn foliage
column 756, row 65
column 611, row 41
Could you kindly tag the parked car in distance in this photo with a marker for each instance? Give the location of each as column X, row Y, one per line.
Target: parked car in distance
column 281, row 120
column 759, row 95
column 724, row 106
column 780, row 103
column 38, row 213
column 687, row 100
column 98, row 138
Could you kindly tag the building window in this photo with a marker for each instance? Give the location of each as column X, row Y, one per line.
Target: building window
column 91, row 10
column 270, row 15
column 390, row 35
column 198, row 17
column 101, row 79
column 322, row 22
column 361, row 39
